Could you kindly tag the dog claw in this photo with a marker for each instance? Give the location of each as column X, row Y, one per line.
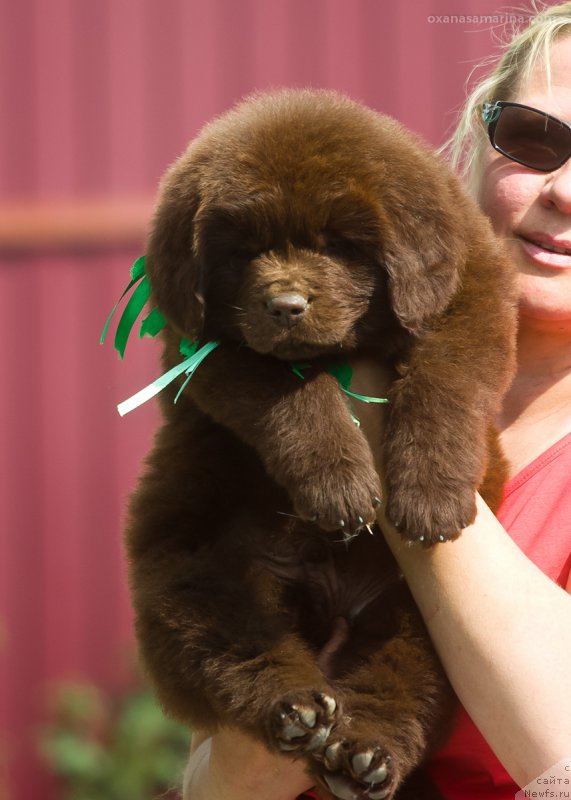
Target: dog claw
column 331, row 754
column 329, row 704
column 376, row 502
column 380, row 795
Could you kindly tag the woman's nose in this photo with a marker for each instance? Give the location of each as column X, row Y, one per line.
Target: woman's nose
column 558, row 188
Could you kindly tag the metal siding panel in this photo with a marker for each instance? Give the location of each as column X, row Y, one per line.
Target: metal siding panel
column 57, row 143
column 378, row 46
column 128, row 107
column 114, row 91
column 235, row 48
column 202, row 81
column 341, row 36
column 18, row 98
column 304, row 43
column 270, row 49
column 163, row 78
column 22, row 615
column 62, row 370
column 91, row 96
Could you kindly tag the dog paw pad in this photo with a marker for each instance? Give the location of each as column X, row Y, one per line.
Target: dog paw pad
column 303, row 723
column 308, row 716
column 356, row 772
column 362, row 761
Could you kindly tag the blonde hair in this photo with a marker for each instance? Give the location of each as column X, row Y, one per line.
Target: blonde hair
column 528, row 46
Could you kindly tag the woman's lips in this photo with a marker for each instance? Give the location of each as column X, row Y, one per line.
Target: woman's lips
column 542, row 251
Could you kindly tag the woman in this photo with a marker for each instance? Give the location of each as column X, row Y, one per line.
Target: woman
column 497, row 604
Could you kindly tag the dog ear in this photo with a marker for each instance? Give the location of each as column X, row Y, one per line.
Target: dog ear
column 424, row 251
column 171, row 260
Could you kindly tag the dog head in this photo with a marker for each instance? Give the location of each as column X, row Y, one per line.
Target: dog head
column 303, row 223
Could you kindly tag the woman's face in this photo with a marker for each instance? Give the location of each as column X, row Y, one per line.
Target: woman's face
column 532, row 210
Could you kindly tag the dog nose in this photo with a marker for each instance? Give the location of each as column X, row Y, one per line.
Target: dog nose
column 287, row 309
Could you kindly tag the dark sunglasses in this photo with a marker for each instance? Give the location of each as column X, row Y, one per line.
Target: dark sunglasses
column 528, row 136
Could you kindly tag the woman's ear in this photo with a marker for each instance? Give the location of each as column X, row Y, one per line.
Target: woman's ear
column 171, row 260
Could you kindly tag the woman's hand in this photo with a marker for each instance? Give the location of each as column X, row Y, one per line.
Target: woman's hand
column 230, row 765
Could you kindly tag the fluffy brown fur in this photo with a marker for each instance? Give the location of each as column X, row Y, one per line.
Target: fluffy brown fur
column 303, row 226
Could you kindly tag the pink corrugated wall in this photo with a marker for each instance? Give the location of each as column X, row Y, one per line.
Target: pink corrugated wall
column 96, row 98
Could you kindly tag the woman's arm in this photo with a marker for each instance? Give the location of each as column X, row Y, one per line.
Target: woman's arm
column 501, row 627
column 503, row 632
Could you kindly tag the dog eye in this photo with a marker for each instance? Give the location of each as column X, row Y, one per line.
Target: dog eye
column 339, row 247
column 223, row 254
column 243, row 254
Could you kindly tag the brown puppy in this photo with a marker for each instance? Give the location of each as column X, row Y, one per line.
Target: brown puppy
column 304, row 227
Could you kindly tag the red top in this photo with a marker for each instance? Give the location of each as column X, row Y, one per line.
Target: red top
column 536, row 511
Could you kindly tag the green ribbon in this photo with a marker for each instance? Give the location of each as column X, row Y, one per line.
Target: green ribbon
column 297, row 367
column 187, row 348
column 342, row 371
column 130, row 315
column 155, row 322
column 344, row 374
column 187, row 366
column 151, row 325
column 365, row 398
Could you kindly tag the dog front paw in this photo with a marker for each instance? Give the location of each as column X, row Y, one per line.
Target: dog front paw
column 354, row 770
column 428, row 513
column 302, row 722
column 340, row 497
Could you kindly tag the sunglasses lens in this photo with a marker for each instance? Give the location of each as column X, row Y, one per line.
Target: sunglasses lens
column 532, row 138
